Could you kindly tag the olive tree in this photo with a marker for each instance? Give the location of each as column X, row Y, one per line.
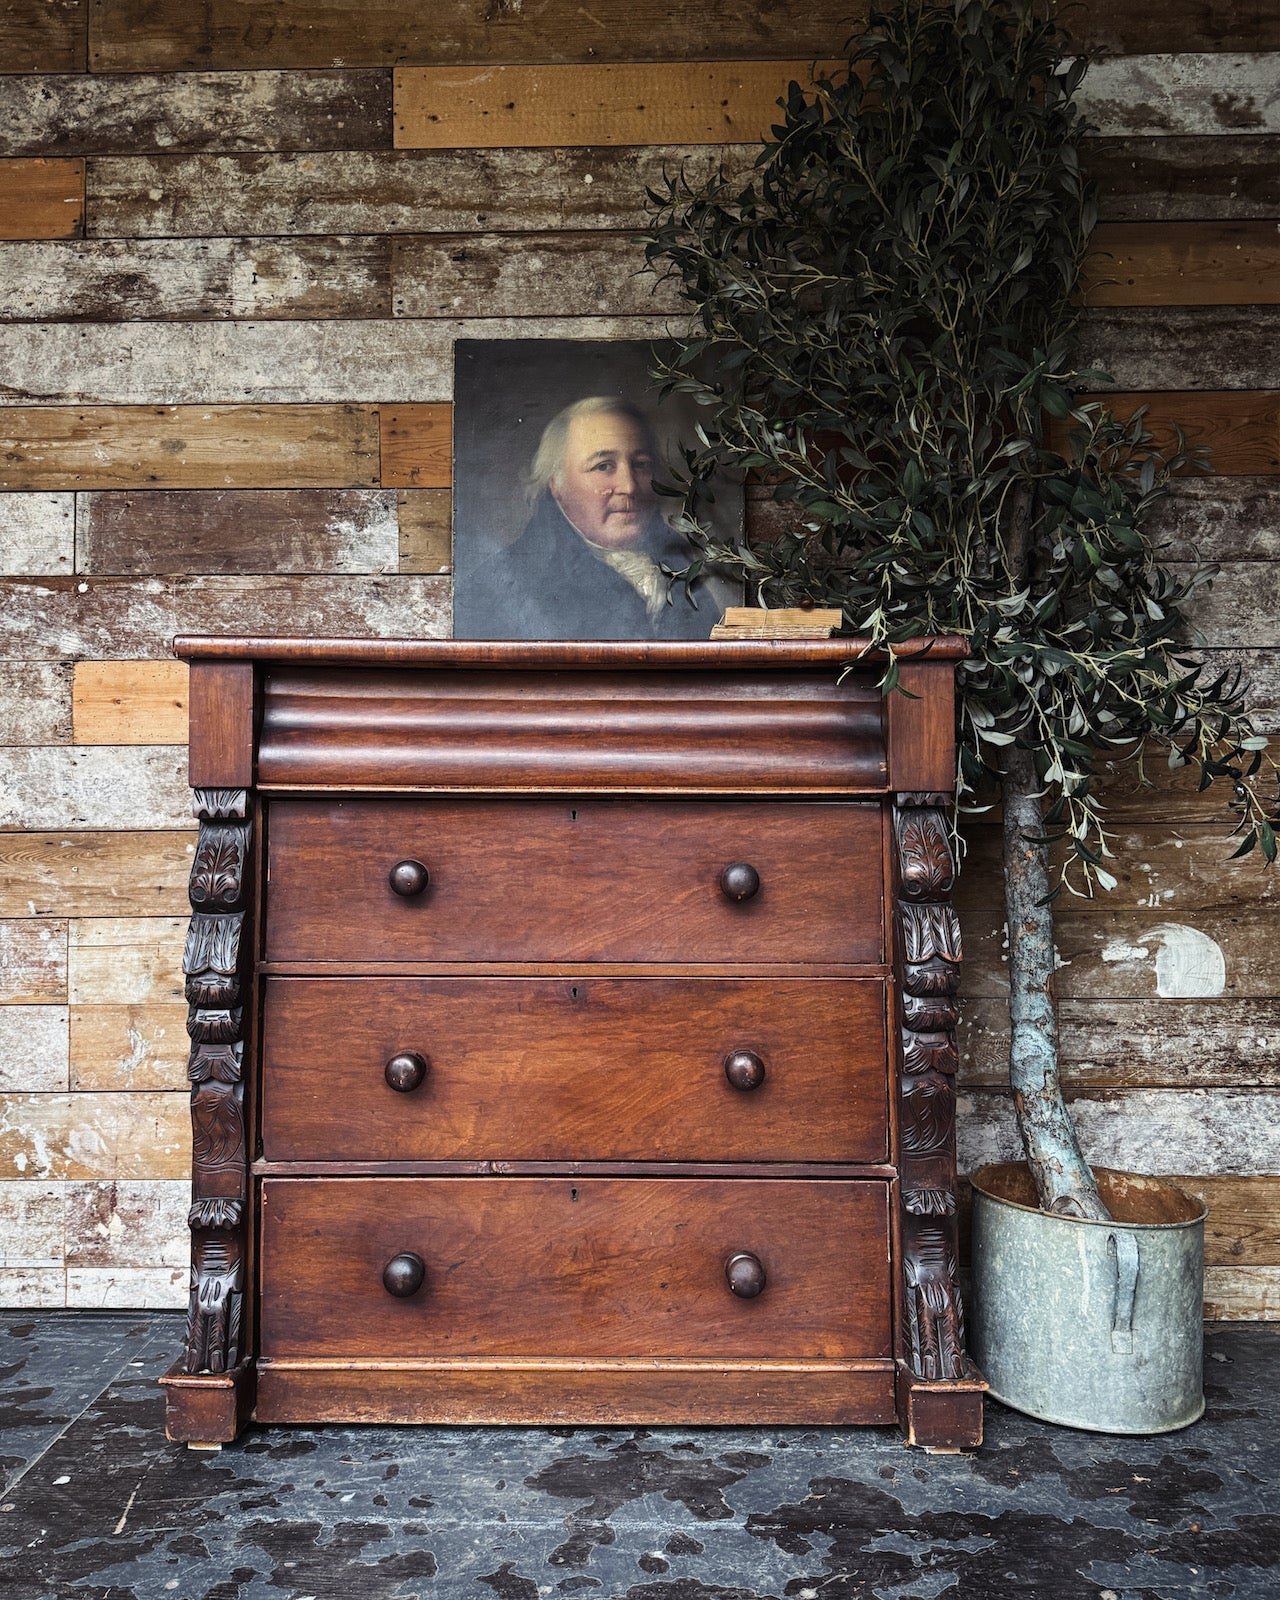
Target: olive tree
column 883, row 320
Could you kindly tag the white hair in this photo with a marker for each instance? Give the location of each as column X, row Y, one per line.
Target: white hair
column 548, row 461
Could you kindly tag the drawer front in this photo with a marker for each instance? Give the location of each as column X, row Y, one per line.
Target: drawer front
column 607, row 1267
column 611, row 880
column 551, row 1069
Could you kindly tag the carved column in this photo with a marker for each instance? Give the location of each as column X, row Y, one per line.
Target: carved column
column 928, row 956
column 217, row 967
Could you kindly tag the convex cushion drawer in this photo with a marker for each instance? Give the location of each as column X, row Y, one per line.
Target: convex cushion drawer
column 574, row 1267
column 590, row 880
column 550, row 1069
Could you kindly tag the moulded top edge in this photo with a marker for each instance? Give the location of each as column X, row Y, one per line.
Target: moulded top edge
column 565, row 655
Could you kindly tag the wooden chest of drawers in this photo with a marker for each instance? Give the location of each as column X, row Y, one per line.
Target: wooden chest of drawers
column 572, row 1037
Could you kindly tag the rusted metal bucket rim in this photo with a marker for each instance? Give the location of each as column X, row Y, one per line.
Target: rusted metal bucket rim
column 1094, row 1222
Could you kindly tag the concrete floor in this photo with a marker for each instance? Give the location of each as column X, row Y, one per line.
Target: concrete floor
column 98, row 1504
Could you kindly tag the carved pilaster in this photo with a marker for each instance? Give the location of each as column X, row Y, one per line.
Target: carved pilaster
column 928, row 959
column 215, row 966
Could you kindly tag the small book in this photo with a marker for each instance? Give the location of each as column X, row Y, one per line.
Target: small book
column 783, row 622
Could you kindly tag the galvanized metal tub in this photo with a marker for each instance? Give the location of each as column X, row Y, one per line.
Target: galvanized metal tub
column 1097, row 1325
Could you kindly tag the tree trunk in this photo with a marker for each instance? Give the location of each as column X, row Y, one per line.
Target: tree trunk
column 1063, row 1179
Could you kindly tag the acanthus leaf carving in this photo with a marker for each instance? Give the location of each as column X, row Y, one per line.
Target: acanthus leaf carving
column 930, row 932
column 215, row 1027
column 929, row 1115
column 929, row 1052
column 211, row 959
column 924, row 848
column 217, row 873
column 220, row 805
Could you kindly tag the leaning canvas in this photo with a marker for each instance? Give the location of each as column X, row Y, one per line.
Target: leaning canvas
column 558, row 529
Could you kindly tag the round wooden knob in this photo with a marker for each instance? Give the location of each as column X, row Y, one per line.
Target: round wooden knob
column 745, row 1274
column 744, row 1069
column 739, row 881
column 407, row 1071
column 408, row 878
column 404, row 1274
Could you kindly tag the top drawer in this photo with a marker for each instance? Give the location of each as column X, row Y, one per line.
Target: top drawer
column 551, row 880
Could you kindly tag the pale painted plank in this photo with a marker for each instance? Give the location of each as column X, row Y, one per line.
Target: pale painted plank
column 1183, row 347
column 37, row 533
column 35, row 702
column 143, row 786
column 380, row 192
column 1242, row 1294
column 132, row 1223
column 139, row 1135
column 73, row 114
column 125, row 960
column 1188, row 93
column 34, row 1049
column 1148, row 1130
column 129, row 1046
column 94, row 874
column 34, row 1231
column 120, row 280
column 127, row 1288
column 130, row 702
column 1226, row 519
column 33, row 962
column 136, row 618
column 33, row 1288
column 299, row 363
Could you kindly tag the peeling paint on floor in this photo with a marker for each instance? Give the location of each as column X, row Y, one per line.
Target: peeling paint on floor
column 99, row 1506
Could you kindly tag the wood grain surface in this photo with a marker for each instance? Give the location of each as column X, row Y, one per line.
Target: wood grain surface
column 41, row 199
column 588, row 1267
column 589, row 1069
column 44, row 35
column 602, row 880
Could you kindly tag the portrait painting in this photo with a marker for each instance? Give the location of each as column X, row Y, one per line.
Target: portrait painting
column 560, row 531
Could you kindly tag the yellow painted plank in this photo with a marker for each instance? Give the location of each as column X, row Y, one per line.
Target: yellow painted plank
column 129, row 702
column 606, row 103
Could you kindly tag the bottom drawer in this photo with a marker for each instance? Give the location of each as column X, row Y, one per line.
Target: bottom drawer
column 588, row 1267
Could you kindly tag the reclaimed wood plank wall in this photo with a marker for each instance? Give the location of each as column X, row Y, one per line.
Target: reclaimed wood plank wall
column 240, row 241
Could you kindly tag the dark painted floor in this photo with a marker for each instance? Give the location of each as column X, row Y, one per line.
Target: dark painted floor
column 98, row 1504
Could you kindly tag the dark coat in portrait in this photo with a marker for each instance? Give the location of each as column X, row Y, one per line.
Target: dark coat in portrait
column 550, row 584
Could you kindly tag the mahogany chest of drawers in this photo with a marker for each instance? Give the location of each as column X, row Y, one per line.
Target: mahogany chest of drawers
column 572, row 1037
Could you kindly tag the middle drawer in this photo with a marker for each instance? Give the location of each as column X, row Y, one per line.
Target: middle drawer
column 574, row 1069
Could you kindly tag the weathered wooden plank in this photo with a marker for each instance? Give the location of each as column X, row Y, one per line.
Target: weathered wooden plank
column 1135, row 1044
column 69, row 787
column 426, row 530
column 41, row 199
column 128, row 1288
column 1243, row 1226
column 215, row 364
column 35, row 702
column 1239, row 428
column 1226, row 519
column 1182, row 178
column 135, row 113
column 417, row 446
column 133, row 619
column 1191, row 859
column 33, row 1288
column 1242, row 1294
column 33, row 962
column 132, row 35
column 37, row 533
column 370, row 192
column 146, row 1134
column 92, row 874
column 43, row 36
column 1240, row 603
column 1143, row 1130
column 532, row 275
column 129, row 1046
column 246, row 531
column 34, row 1235
column 126, row 960
column 1183, row 347
column 121, row 280
column 1183, row 264
column 33, row 1049
column 187, row 447
column 133, row 1223
column 596, row 104
column 130, row 702
column 1187, row 93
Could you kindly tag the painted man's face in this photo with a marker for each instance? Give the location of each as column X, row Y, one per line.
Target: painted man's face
column 605, row 487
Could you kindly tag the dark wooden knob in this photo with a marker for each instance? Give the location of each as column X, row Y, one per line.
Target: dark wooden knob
column 744, row 1069
column 404, row 1274
column 408, row 878
column 739, row 881
column 745, row 1274
column 407, row 1071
